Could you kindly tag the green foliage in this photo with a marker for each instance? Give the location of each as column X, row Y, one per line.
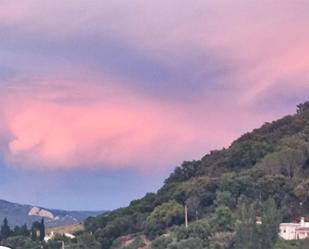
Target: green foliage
column 42, row 230
column 169, row 242
column 119, row 226
column 302, row 191
column 186, row 171
column 296, row 244
column 83, row 241
column 302, row 108
column 190, row 243
column 269, row 228
column 249, row 234
column 199, row 229
column 161, row 242
column 5, row 229
column 222, row 220
column 146, row 204
column 224, row 198
column 21, row 231
column 164, row 216
column 21, row 242
column 246, row 229
column 38, row 230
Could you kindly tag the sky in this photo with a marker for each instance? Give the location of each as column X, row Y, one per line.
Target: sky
column 100, row 100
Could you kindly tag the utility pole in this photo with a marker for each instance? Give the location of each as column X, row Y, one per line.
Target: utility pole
column 62, row 244
column 186, row 215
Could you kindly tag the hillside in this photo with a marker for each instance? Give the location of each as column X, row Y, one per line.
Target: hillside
column 269, row 164
column 75, row 228
column 264, row 174
column 19, row 214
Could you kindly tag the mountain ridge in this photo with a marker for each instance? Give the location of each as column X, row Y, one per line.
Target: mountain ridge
column 20, row 214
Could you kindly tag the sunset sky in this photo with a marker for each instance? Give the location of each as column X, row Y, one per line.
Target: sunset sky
column 100, row 100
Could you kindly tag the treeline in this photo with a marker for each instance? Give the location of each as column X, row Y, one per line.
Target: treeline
column 21, row 237
column 216, row 211
column 37, row 231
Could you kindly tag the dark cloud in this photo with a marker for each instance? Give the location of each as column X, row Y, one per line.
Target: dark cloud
column 194, row 73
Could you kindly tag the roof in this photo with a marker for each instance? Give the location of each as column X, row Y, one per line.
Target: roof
column 290, row 224
column 302, row 229
column 4, row 247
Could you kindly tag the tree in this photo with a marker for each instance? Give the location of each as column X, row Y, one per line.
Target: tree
column 163, row 216
column 34, row 235
column 246, row 228
column 296, row 244
column 22, row 242
column 42, row 230
column 24, row 230
column 301, row 108
column 302, row 191
column 21, row 231
column 224, row 198
column 222, row 220
column 193, row 204
column 35, row 229
column 5, row 229
column 270, row 224
column 191, row 243
column 250, row 235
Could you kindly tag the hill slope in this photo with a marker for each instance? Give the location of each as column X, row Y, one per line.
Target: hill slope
column 263, row 173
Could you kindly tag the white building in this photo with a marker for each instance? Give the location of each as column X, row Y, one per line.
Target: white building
column 294, row 231
column 48, row 237
column 70, row 236
column 4, row 247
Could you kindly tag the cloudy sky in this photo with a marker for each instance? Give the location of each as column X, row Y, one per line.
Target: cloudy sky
column 100, row 100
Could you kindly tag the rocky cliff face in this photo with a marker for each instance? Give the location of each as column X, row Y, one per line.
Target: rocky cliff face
column 35, row 211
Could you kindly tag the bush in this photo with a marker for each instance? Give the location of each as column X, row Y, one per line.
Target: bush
column 166, row 215
column 161, row 242
column 222, row 221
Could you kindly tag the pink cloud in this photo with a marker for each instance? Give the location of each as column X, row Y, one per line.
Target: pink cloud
column 75, row 124
column 102, row 123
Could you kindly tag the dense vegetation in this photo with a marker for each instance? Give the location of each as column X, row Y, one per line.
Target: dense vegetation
column 33, row 238
column 266, row 171
column 21, row 236
column 263, row 174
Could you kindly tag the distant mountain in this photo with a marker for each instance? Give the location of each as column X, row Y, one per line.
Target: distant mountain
column 19, row 214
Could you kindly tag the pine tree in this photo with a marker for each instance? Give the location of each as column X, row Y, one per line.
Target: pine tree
column 250, row 235
column 34, row 230
column 34, row 236
column 42, row 230
column 246, row 228
column 5, row 229
column 24, row 231
column 270, row 224
column 16, row 231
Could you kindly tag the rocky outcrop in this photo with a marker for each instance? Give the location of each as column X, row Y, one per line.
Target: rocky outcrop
column 35, row 211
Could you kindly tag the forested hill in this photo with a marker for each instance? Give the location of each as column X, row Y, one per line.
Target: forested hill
column 263, row 174
column 280, row 146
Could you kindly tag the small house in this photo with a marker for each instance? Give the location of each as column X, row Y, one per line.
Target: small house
column 294, row 231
